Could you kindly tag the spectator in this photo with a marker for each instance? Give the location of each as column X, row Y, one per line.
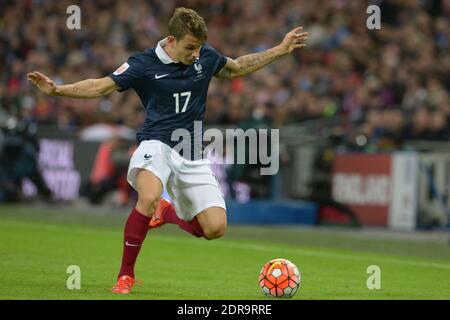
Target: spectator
column 405, row 63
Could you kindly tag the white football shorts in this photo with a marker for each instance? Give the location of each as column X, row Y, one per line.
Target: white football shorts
column 192, row 185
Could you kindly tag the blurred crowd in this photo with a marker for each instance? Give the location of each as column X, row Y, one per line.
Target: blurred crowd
column 390, row 82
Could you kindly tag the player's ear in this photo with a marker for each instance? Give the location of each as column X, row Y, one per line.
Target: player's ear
column 171, row 40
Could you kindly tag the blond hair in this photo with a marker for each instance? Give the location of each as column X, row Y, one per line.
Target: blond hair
column 186, row 21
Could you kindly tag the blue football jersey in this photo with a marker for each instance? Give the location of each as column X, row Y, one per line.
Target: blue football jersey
column 173, row 94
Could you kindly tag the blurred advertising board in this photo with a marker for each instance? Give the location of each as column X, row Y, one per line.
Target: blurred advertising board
column 65, row 165
column 380, row 188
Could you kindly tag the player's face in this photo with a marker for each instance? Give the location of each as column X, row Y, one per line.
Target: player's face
column 187, row 49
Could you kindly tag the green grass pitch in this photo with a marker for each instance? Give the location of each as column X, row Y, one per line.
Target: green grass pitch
column 37, row 246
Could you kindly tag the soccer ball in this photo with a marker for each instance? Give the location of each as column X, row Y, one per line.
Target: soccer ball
column 279, row 278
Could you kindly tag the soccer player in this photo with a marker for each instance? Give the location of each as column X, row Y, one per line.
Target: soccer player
column 172, row 82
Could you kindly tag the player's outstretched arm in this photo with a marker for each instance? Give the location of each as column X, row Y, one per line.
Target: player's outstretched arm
column 90, row 88
column 244, row 65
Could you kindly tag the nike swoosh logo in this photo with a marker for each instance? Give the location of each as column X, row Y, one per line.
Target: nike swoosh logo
column 131, row 245
column 161, row 76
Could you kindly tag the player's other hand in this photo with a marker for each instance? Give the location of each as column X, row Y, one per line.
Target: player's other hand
column 44, row 83
column 295, row 39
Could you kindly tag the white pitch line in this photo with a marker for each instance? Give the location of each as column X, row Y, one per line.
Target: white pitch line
column 261, row 248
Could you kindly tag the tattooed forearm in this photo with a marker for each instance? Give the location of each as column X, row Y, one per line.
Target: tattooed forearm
column 225, row 73
column 256, row 61
column 249, row 63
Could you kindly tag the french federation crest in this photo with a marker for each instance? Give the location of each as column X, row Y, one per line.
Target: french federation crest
column 198, row 67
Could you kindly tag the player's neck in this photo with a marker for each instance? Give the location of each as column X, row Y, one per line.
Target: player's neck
column 170, row 53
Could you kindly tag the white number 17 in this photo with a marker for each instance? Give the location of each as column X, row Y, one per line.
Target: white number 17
column 186, row 94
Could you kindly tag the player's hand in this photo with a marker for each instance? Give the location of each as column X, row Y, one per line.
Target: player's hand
column 44, row 83
column 295, row 39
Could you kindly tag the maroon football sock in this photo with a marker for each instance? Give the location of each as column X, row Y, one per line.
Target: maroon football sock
column 193, row 227
column 134, row 235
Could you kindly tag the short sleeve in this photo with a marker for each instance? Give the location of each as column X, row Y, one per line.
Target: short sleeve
column 221, row 62
column 128, row 74
column 219, row 59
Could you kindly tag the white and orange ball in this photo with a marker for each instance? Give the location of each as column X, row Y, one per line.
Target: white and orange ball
column 279, row 278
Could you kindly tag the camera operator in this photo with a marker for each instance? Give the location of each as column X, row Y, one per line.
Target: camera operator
column 19, row 150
